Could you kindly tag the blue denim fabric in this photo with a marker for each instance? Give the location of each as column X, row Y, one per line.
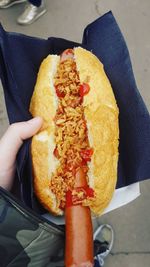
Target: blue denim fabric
column 36, row 2
column 96, row 263
column 20, row 58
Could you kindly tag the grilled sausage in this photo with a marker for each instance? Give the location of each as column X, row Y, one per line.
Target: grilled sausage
column 79, row 234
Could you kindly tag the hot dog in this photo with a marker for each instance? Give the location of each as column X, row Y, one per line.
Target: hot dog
column 60, row 102
column 79, row 232
column 75, row 153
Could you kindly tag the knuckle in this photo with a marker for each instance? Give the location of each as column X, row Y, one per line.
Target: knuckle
column 13, row 127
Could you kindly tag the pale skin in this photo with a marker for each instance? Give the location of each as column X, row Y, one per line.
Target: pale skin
column 10, row 144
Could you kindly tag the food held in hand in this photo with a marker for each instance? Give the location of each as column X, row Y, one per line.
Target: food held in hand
column 80, row 131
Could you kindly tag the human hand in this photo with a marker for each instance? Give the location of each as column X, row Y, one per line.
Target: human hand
column 10, row 145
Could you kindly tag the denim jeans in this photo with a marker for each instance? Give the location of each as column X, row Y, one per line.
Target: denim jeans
column 36, row 2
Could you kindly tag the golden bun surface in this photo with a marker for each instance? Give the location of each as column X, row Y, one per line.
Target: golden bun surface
column 101, row 113
column 44, row 104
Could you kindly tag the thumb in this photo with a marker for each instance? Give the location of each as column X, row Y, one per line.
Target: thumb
column 13, row 139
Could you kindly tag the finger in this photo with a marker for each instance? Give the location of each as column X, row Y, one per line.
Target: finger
column 13, row 139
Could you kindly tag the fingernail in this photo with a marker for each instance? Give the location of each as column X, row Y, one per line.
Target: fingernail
column 36, row 120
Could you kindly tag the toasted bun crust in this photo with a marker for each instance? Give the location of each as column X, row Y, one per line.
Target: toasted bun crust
column 101, row 113
column 44, row 104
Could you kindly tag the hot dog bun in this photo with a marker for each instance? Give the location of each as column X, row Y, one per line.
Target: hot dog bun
column 101, row 115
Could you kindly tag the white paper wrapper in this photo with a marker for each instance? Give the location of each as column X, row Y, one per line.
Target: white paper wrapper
column 122, row 196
